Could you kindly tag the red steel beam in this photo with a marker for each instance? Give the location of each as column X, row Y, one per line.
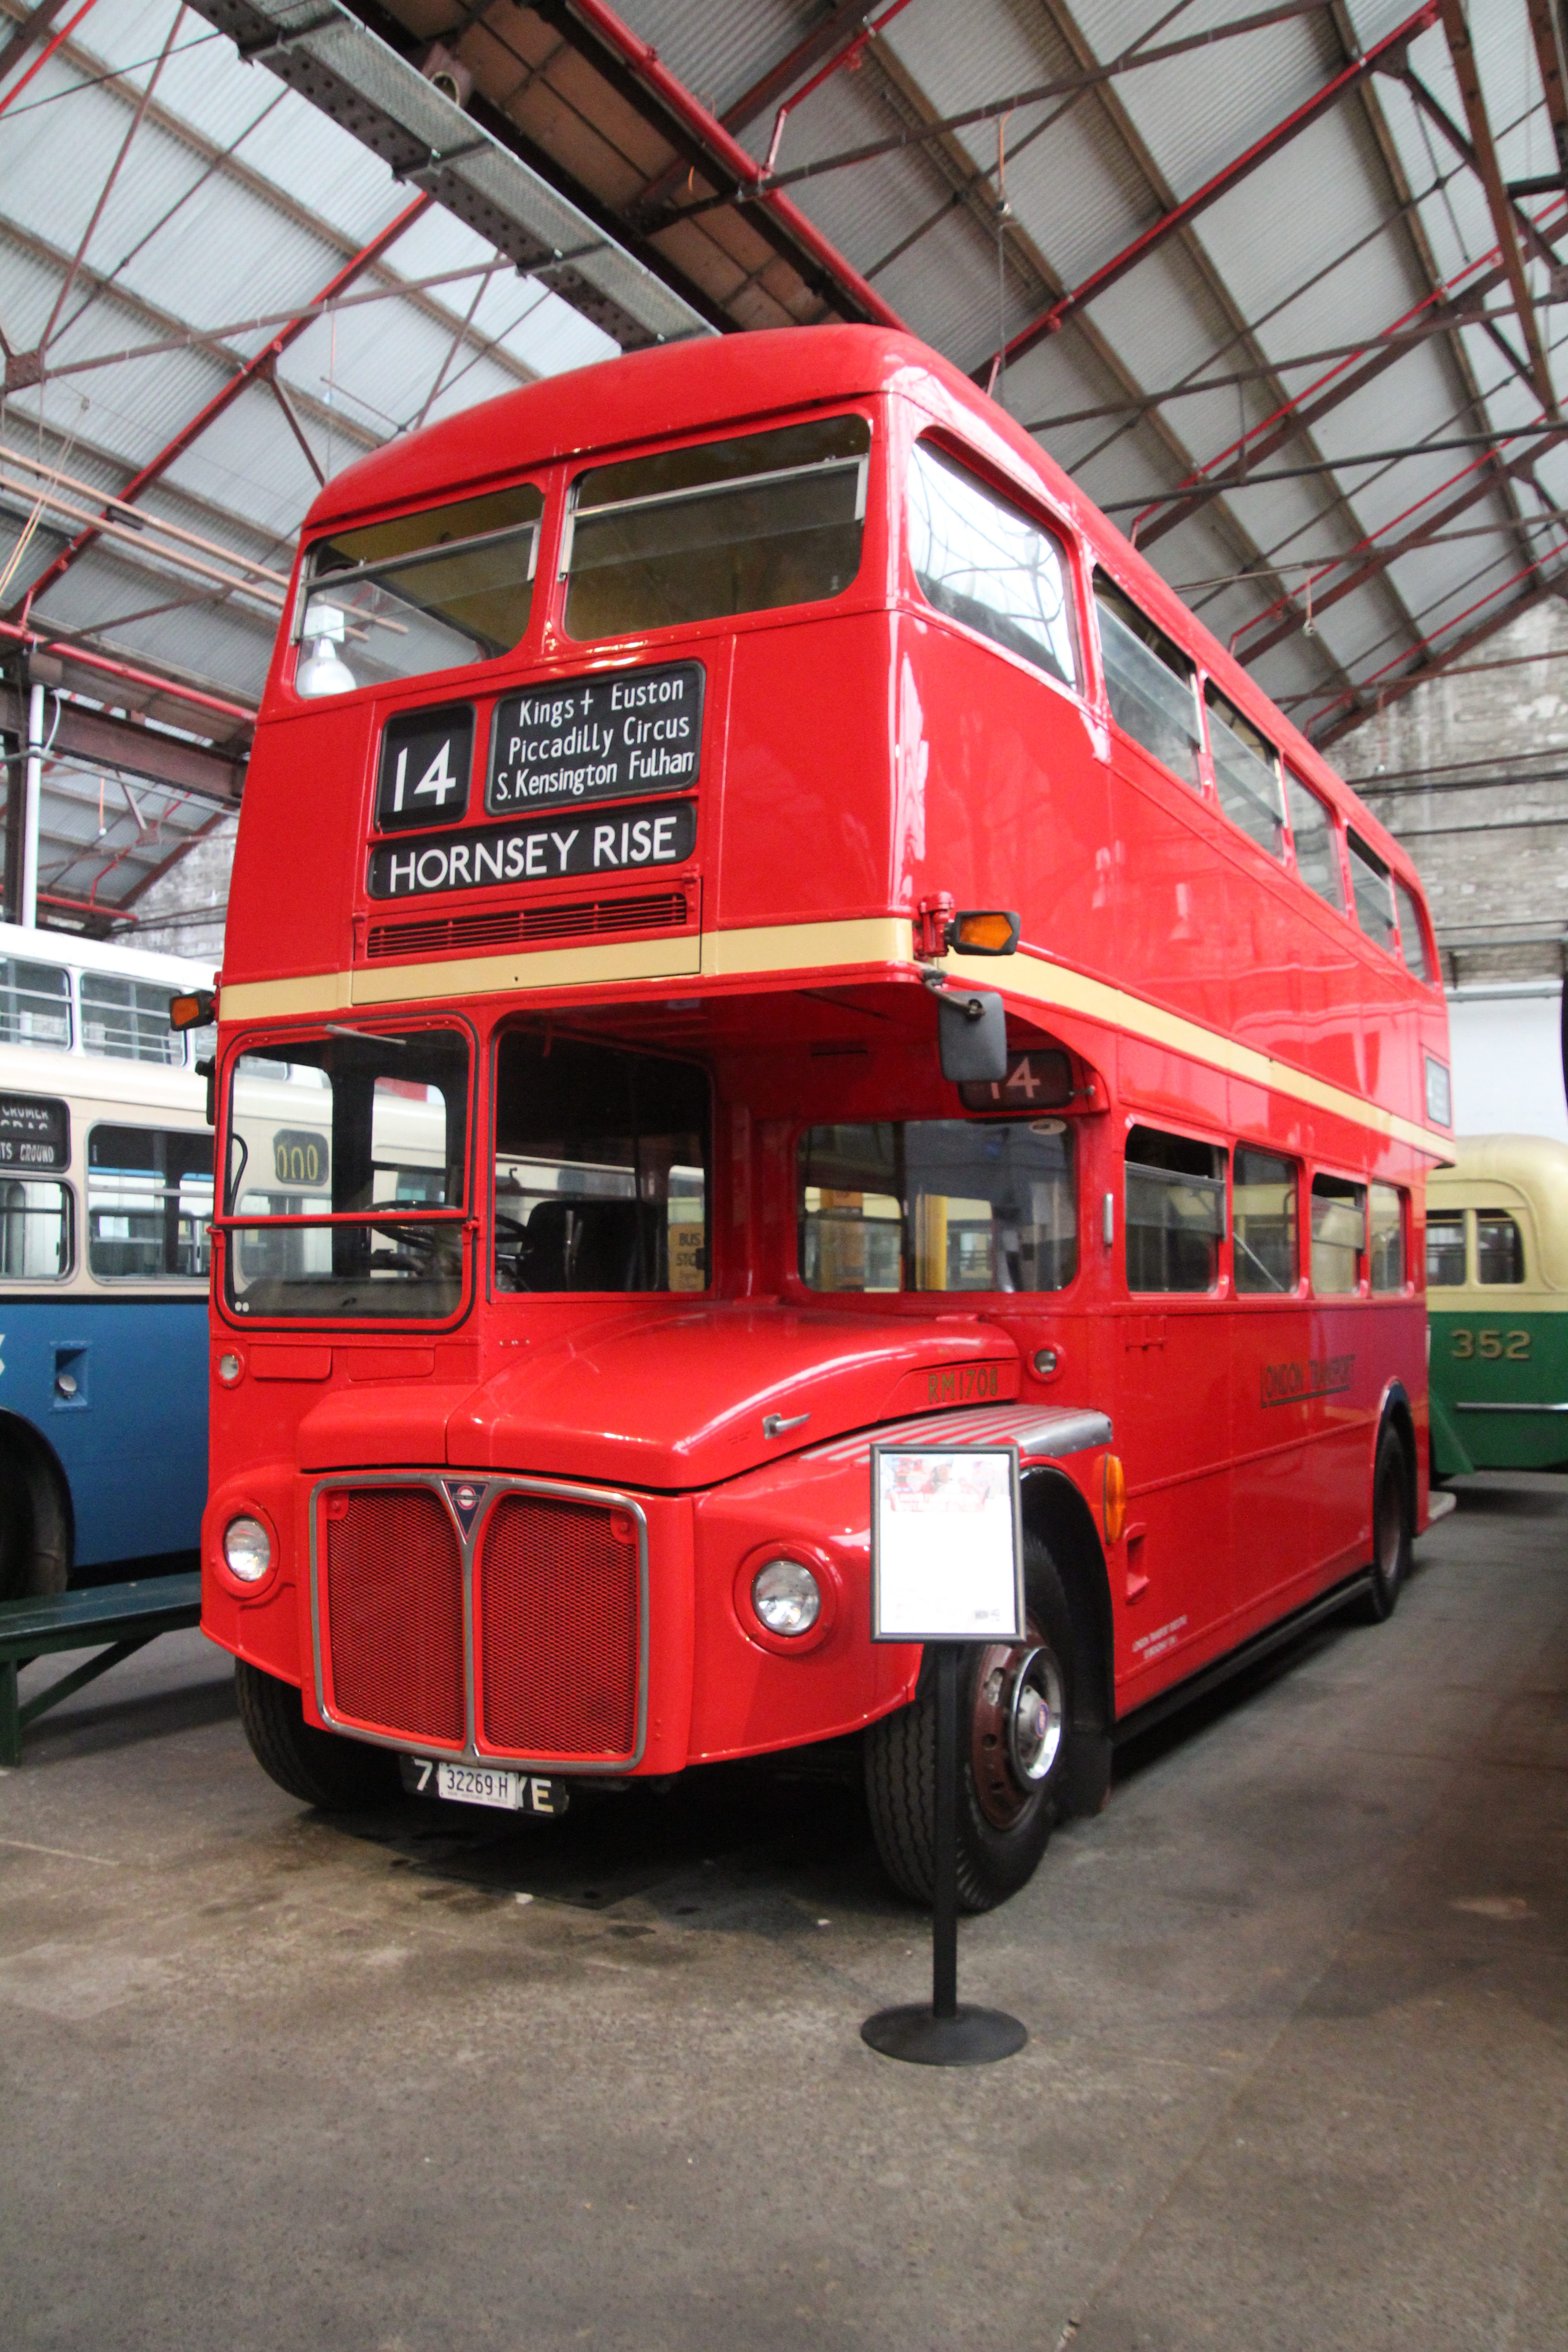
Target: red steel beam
column 1395, row 690
column 1467, row 74
column 225, row 398
column 1050, row 321
column 728, row 156
column 22, row 41
column 1377, row 560
column 1313, row 402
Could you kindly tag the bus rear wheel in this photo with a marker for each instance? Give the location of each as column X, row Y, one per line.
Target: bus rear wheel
column 1014, row 1735
column 35, row 1528
column 319, row 1768
column 1390, row 1536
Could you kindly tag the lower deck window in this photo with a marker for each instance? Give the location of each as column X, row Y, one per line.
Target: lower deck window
column 601, row 1167
column 1176, row 1212
column 149, row 1198
column 34, row 1230
column 938, row 1204
column 1263, row 1209
column 1339, row 1235
column 1386, row 1255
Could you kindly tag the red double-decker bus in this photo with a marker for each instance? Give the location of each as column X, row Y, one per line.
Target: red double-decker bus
column 760, row 925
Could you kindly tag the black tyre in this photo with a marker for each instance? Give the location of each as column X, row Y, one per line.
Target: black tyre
column 35, row 1526
column 318, row 1767
column 1015, row 1711
column 1391, row 1536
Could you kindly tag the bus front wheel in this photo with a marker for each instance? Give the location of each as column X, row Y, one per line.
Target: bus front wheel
column 1014, row 1733
column 319, row 1768
column 1391, row 1536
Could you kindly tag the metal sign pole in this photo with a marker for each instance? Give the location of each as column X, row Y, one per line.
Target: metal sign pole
column 946, row 1571
column 948, row 2033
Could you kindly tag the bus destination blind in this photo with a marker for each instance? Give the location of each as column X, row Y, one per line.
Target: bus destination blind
column 576, row 842
column 35, row 1132
column 608, row 737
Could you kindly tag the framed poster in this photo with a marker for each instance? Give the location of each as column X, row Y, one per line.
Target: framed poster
column 947, row 1553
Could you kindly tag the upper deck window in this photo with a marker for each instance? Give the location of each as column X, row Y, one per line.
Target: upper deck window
column 1246, row 774
column 128, row 1019
column 1317, row 851
column 1371, row 881
column 1411, row 935
column 35, row 1004
column 1150, row 683
column 601, row 1167
column 981, row 561
column 938, row 1204
column 426, row 591
column 738, row 526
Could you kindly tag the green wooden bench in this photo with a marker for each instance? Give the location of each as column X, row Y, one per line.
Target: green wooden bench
column 125, row 1616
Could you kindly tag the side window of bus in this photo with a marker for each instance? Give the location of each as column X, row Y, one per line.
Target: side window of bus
column 1246, row 774
column 1499, row 1247
column 739, row 526
column 1150, row 683
column 149, row 1197
column 127, row 1020
column 1339, row 1235
column 1445, row 1251
column 35, row 1004
column 1373, row 885
column 601, row 1167
column 1263, row 1217
column 1317, row 850
column 1176, row 1212
column 35, row 1235
column 938, row 1204
column 982, row 561
column 1412, row 933
column 425, row 591
column 1387, row 1251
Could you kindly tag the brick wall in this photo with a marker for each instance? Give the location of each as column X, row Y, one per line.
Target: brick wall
column 1488, row 828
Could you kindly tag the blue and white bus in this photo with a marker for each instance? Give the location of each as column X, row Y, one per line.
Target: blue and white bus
column 106, row 1189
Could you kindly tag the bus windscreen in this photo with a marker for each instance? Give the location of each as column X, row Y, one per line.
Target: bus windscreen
column 354, row 1127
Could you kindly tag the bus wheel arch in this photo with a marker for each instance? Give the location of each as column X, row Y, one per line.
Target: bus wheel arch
column 37, row 1529
column 1034, row 1743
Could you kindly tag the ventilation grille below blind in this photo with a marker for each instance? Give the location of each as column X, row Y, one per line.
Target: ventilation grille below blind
column 654, row 910
column 395, row 1611
column 558, row 1631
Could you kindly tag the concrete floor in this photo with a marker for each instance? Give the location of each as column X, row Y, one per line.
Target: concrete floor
column 1298, row 2073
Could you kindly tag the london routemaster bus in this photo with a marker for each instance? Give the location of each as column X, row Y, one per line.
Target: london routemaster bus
column 106, row 1193
column 760, row 925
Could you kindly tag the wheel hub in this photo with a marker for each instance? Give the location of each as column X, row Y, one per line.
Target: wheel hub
column 1018, row 1722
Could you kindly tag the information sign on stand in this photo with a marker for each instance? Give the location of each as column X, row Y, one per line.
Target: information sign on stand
column 947, row 1569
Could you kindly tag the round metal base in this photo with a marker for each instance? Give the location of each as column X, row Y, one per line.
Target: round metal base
column 974, row 2037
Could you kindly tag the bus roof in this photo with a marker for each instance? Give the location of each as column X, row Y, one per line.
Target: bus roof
column 686, row 387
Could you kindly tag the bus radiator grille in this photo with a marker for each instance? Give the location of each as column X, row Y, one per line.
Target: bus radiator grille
column 558, row 1630
column 395, row 1611
column 657, row 910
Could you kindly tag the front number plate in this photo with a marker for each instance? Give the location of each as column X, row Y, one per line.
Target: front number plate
column 484, row 1784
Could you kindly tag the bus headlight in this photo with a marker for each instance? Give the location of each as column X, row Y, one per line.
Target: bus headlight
column 247, row 1549
column 787, row 1597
